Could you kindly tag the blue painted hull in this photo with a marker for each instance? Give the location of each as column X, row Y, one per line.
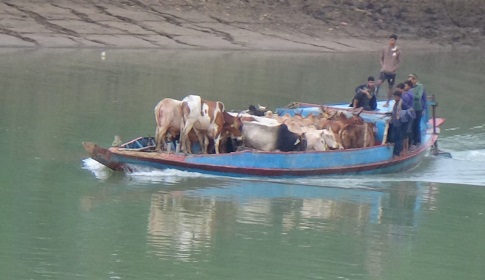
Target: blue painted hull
column 371, row 160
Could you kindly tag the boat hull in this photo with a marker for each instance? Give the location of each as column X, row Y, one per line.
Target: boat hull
column 371, row 160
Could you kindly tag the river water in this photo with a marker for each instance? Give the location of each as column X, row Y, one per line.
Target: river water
column 65, row 217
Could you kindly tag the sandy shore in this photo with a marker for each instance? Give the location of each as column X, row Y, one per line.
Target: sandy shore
column 105, row 25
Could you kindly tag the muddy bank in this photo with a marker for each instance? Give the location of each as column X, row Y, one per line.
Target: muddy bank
column 315, row 26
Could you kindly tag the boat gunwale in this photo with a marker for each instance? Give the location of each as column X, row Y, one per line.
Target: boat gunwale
column 120, row 150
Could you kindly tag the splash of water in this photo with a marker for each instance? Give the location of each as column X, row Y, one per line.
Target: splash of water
column 99, row 170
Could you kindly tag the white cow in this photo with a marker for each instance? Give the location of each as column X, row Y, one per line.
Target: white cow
column 320, row 140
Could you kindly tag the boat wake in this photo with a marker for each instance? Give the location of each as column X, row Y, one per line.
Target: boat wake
column 99, row 171
column 168, row 176
column 465, row 146
column 142, row 174
column 472, row 155
column 465, row 168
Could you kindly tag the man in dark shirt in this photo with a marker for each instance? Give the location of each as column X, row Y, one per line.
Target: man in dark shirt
column 399, row 122
column 364, row 95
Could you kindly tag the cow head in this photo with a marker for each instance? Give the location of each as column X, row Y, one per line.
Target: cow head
column 257, row 111
column 330, row 140
column 236, row 127
column 330, row 114
column 233, row 126
column 355, row 119
column 321, row 140
column 301, row 143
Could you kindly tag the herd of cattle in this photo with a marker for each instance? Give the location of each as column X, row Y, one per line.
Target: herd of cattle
column 194, row 119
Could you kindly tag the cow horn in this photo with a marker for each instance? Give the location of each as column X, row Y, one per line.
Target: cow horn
column 357, row 111
column 322, row 108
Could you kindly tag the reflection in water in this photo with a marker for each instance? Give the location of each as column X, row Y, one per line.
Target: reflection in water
column 402, row 204
column 187, row 223
column 180, row 227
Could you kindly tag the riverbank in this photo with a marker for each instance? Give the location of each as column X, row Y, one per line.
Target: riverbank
column 147, row 24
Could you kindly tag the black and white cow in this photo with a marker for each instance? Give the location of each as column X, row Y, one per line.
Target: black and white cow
column 271, row 138
column 257, row 111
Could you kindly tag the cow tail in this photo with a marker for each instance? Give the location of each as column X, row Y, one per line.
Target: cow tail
column 182, row 127
column 157, row 122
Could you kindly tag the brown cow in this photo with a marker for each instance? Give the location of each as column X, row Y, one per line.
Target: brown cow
column 338, row 122
column 358, row 135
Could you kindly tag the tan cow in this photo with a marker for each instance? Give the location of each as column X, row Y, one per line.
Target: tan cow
column 168, row 119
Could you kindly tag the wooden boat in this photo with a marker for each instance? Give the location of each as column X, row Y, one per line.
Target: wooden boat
column 370, row 160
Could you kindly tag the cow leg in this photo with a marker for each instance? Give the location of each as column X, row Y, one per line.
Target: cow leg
column 224, row 143
column 157, row 140
column 217, row 141
column 184, row 137
column 160, row 135
column 174, row 135
column 200, row 138
column 205, row 143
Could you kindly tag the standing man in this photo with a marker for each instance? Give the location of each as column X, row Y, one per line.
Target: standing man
column 419, row 105
column 390, row 60
column 407, row 93
column 408, row 99
column 398, row 124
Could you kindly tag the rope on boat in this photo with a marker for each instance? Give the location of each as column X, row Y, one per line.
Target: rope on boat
column 293, row 105
column 386, row 129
